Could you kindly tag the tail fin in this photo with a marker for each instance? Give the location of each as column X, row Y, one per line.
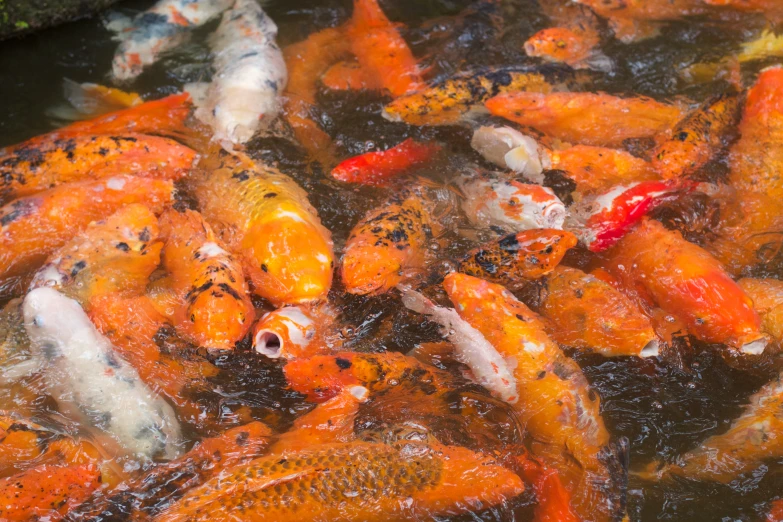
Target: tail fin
column 88, row 100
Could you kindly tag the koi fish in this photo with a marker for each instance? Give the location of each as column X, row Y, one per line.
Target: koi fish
column 26, row 171
column 770, row 8
column 754, row 437
column 21, row 442
column 348, row 75
column 15, row 358
column 511, row 206
column 296, row 331
column 600, row 221
column 160, row 28
column 687, row 282
column 555, row 403
column 381, row 50
column 509, row 148
column 516, row 259
column 446, row 102
column 264, row 218
column 249, row 75
column 597, row 170
column 210, row 301
column 434, row 480
column 34, row 226
column 86, row 100
column 46, row 492
column 103, row 386
column 166, row 483
column 306, row 62
column 776, row 512
column 113, row 256
column 697, row 138
column 587, row 313
column 379, row 167
column 387, row 241
column 488, row 367
column 587, row 118
column 767, row 297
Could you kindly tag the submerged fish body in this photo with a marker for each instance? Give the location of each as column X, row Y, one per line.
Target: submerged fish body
column 597, row 170
column 587, row 313
column 359, row 481
column 446, row 102
column 160, row 28
column 556, row 405
column 38, row 167
column 264, row 218
column 509, row 148
column 516, row 259
column 767, row 296
column 386, row 242
column 115, row 256
column 587, row 118
column 212, row 305
column 34, row 226
column 511, row 206
column 84, row 370
column 379, row 167
column 689, row 283
column 250, row 74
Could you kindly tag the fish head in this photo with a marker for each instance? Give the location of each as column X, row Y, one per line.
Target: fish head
column 286, row 332
column 51, row 319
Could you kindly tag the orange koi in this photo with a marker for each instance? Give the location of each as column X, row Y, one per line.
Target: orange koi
column 555, row 403
column 115, row 256
column 379, row 167
column 587, row 313
column 687, row 282
column 46, row 492
column 697, row 138
column 210, row 298
column 296, row 331
column 587, row 118
column 349, row 76
column 519, row 258
column 264, row 218
column 446, row 102
column 142, row 497
column 32, row 227
column 28, row 170
column 435, row 480
column 381, row 50
column 599, row 169
column 306, row 62
column 89, row 100
column 767, row 297
column 554, row 501
column 386, row 242
column 21, row 441
column 776, row 512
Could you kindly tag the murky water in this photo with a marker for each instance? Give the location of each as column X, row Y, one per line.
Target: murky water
column 664, row 406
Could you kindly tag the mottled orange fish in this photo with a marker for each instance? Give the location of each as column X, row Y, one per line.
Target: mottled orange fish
column 446, row 102
column 204, row 287
column 296, row 331
column 776, row 512
column 689, row 283
column 264, row 218
column 381, row 50
column 115, row 255
column 697, row 138
column 32, row 227
column 585, row 312
column 587, row 118
column 599, row 169
column 30, row 169
column 142, row 497
column 555, row 404
column 21, row 441
column 519, row 258
column 387, row 241
column 306, row 62
column 767, row 297
column 410, row 481
column 46, row 492
column 348, row 75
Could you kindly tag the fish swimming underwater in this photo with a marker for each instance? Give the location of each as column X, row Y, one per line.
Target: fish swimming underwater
column 160, row 28
column 767, row 297
column 84, row 373
column 250, row 74
column 509, row 148
column 265, row 219
column 597, row 170
column 379, row 167
column 204, row 286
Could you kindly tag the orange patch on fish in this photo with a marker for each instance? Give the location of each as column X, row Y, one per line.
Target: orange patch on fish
column 349, row 76
column 379, row 167
column 296, row 331
column 598, row 169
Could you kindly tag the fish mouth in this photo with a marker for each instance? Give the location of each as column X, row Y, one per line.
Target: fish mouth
column 268, row 343
column 755, row 347
column 651, row 349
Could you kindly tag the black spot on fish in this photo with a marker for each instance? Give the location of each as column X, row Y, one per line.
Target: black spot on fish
column 194, row 292
column 48, row 349
column 241, row 176
column 111, row 360
column 242, row 438
column 264, row 268
column 541, row 375
column 509, row 243
column 78, row 267
column 343, row 364
column 19, row 209
column 484, row 261
column 144, row 235
column 103, row 151
column 270, row 195
column 248, row 55
column 123, row 246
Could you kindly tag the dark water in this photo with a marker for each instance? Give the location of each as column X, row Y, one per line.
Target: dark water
column 663, row 406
